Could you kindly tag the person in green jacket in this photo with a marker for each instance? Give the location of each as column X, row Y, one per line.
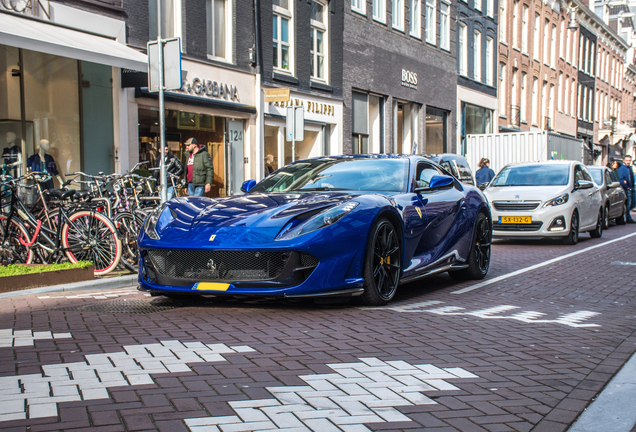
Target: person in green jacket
column 200, row 172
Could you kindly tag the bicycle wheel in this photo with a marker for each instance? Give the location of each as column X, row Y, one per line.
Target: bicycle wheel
column 12, row 251
column 128, row 228
column 91, row 236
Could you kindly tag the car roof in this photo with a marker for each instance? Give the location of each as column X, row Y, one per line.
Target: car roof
column 550, row 162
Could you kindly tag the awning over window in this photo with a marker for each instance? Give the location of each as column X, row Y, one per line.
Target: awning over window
column 41, row 36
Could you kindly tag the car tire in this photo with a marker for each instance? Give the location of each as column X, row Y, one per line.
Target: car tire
column 597, row 232
column 606, row 218
column 479, row 256
column 382, row 264
column 573, row 237
column 622, row 219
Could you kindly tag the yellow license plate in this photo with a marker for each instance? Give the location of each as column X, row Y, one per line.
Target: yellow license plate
column 211, row 286
column 515, row 219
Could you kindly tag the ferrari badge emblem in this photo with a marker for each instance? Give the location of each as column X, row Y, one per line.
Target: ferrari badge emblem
column 212, row 237
column 419, row 212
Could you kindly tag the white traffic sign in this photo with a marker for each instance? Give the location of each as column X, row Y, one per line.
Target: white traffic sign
column 171, row 65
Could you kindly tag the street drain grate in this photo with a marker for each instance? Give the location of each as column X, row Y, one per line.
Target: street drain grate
column 127, row 306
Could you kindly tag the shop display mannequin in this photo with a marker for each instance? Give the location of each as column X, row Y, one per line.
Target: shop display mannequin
column 43, row 162
column 12, row 154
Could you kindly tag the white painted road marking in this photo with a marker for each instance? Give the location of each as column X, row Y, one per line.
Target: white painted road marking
column 38, row 394
column 536, row 266
column 21, row 338
column 573, row 319
column 357, row 393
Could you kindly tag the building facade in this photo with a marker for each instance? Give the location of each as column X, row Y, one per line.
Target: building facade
column 477, row 103
column 399, row 76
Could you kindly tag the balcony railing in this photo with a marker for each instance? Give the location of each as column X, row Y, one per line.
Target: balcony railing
column 515, row 116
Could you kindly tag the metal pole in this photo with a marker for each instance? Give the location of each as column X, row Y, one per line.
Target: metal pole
column 162, row 135
column 294, row 135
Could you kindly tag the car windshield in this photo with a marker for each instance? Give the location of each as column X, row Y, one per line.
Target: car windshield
column 533, row 175
column 325, row 174
column 597, row 175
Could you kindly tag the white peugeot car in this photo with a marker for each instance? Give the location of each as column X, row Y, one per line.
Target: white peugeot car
column 545, row 199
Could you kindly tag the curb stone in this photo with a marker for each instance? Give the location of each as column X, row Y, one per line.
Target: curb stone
column 98, row 284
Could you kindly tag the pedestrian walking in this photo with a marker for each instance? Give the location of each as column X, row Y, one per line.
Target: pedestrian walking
column 173, row 166
column 484, row 174
column 626, row 178
column 200, row 173
column 614, row 167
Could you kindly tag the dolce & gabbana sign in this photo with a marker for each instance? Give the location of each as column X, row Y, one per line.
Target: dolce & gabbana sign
column 209, row 88
column 409, row 79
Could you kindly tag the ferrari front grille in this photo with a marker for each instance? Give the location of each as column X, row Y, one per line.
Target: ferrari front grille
column 223, row 265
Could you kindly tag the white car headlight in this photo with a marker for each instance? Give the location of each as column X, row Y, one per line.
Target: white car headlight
column 158, row 219
column 560, row 200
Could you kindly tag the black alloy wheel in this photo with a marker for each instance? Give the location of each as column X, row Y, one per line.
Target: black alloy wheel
column 597, row 232
column 382, row 264
column 606, row 218
column 573, row 237
column 479, row 256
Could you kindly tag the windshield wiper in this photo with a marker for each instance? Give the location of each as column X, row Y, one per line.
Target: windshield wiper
column 323, row 188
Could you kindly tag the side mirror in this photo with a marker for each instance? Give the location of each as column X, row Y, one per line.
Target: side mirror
column 584, row 184
column 615, row 185
column 438, row 182
column 248, row 185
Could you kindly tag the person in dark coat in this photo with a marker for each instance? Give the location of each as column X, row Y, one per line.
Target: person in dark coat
column 173, row 166
column 484, row 174
column 626, row 178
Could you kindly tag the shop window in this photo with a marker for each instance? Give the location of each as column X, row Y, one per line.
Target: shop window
column 319, row 41
column 431, row 22
column 283, row 35
column 360, row 123
column 444, row 26
column 435, row 130
column 478, row 120
column 219, row 31
column 170, row 18
column 379, row 10
column 416, row 25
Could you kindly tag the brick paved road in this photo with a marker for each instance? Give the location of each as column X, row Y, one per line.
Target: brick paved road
column 525, row 353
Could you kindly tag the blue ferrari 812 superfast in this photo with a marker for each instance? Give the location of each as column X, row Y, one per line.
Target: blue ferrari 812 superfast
column 355, row 225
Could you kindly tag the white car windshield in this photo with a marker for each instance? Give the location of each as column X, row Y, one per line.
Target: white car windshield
column 533, row 175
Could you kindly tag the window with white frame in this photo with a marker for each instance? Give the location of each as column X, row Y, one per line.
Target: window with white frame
column 553, row 47
column 416, row 24
column 502, row 90
column 489, row 60
column 524, row 29
column 612, row 73
column 590, row 104
column 219, row 29
column 359, row 6
column 319, row 41
column 573, row 98
column 444, row 25
column 477, row 55
column 551, row 106
column 566, row 99
column 560, row 90
column 502, row 20
column 546, row 39
column 398, row 14
column 170, row 19
column 562, row 44
column 490, row 6
column 535, row 101
column 536, row 37
column 596, row 104
column 513, row 88
column 379, row 10
column 567, row 46
column 462, row 53
column 431, row 22
column 283, row 35
column 580, row 107
column 544, row 96
column 478, row 5
column 581, row 44
column 524, row 97
column 515, row 24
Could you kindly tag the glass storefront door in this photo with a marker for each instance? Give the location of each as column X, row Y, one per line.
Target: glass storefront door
column 181, row 125
column 280, row 149
column 435, row 131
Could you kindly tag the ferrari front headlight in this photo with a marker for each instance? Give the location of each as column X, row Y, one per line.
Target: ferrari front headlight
column 316, row 222
column 158, row 219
